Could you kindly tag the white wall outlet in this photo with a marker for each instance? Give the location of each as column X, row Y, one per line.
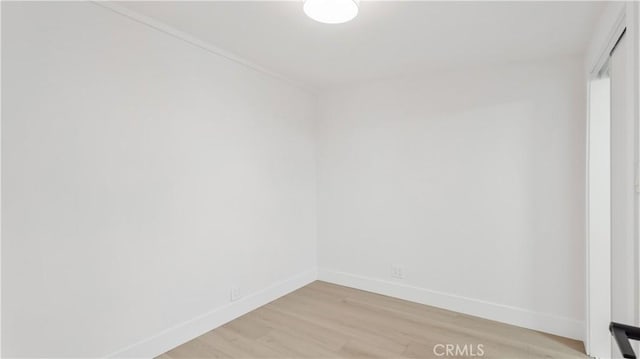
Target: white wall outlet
column 397, row 271
column 236, row 293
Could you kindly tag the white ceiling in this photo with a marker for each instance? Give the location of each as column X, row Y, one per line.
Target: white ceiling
column 387, row 38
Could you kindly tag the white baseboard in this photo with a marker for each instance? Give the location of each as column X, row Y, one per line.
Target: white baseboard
column 181, row 333
column 553, row 324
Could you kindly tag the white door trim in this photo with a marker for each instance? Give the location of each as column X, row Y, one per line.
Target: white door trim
column 617, row 17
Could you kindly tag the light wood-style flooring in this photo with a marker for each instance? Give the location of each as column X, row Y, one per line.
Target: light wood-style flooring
column 323, row 320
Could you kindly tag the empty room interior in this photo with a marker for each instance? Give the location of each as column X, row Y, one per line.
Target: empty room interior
column 320, row 179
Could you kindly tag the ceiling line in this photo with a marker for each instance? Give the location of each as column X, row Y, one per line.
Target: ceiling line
column 181, row 35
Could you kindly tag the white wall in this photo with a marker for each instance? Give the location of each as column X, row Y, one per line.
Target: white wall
column 142, row 177
column 472, row 181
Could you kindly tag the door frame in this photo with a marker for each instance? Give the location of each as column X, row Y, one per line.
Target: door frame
column 618, row 17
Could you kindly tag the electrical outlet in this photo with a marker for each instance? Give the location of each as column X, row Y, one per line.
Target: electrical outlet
column 397, row 271
column 236, row 293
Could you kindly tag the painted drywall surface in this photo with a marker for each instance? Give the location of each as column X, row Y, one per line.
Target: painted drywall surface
column 472, row 181
column 142, row 177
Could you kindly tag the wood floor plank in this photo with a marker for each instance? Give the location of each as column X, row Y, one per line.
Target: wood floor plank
column 287, row 322
column 233, row 345
column 298, row 344
column 324, row 320
column 342, row 323
column 359, row 349
column 196, row 349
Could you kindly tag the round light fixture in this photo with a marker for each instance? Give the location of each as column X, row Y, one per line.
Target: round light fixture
column 331, row 11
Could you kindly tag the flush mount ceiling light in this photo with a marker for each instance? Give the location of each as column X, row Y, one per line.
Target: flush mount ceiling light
column 331, row 11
